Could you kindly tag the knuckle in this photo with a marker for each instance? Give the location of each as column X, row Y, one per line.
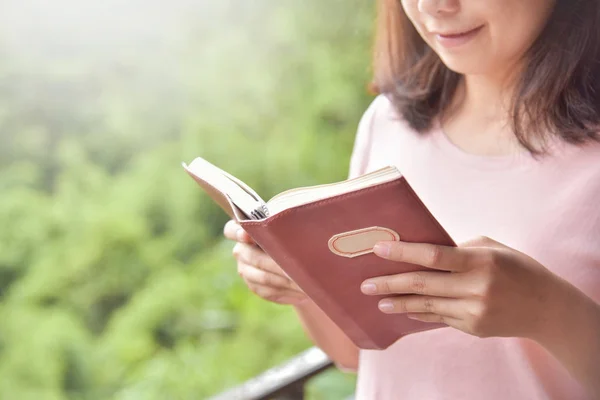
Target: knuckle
column 258, row 277
column 267, row 279
column 385, row 286
column 478, row 311
column 251, row 258
column 269, row 265
column 252, row 275
column 486, row 288
column 397, row 251
column 429, row 304
column 402, row 304
column 265, row 292
column 260, row 261
column 489, row 258
column 482, row 287
column 434, row 255
column 478, row 317
column 418, row 283
column 487, row 280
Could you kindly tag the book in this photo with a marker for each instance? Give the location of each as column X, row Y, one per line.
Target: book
column 323, row 236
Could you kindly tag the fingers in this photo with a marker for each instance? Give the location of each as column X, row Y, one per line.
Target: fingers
column 277, row 296
column 422, row 282
column 230, row 230
column 452, row 308
column 234, row 231
column 260, row 272
column 254, row 256
column 264, row 278
column 443, row 258
column 270, row 286
column 429, row 309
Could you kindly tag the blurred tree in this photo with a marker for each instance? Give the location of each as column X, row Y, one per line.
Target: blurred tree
column 115, row 281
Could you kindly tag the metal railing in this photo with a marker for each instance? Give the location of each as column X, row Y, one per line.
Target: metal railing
column 283, row 382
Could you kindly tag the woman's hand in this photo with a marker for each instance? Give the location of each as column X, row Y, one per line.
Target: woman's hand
column 261, row 274
column 490, row 290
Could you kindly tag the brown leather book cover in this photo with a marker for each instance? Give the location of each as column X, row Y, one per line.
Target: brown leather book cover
column 325, row 246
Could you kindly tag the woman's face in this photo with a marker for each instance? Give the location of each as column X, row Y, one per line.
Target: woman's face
column 479, row 36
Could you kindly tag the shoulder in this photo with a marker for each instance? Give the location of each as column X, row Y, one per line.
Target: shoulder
column 383, row 125
column 380, row 127
column 381, row 109
column 380, row 117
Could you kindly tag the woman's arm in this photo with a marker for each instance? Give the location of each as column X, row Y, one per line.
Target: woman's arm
column 494, row 290
column 572, row 335
column 327, row 336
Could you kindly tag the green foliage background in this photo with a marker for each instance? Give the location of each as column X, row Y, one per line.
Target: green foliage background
column 115, row 281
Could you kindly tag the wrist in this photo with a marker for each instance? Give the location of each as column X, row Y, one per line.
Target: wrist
column 566, row 309
column 553, row 313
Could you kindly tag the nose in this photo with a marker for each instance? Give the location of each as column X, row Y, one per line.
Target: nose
column 438, row 7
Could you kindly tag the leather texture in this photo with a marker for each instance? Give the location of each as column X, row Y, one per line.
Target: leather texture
column 298, row 239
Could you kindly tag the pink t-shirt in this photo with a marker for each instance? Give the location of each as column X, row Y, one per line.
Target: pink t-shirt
column 548, row 209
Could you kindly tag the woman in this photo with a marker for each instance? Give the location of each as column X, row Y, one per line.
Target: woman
column 491, row 108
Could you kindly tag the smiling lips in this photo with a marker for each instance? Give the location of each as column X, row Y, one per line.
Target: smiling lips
column 457, row 39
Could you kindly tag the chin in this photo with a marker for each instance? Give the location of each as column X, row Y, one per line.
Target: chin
column 465, row 65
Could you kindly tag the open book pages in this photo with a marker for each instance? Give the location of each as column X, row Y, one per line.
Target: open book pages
column 251, row 204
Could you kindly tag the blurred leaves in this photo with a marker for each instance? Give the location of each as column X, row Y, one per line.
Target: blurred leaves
column 115, row 281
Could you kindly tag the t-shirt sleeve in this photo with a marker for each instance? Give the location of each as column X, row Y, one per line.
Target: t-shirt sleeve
column 362, row 142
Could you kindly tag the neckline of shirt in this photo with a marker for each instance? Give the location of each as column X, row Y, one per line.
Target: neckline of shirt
column 520, row 160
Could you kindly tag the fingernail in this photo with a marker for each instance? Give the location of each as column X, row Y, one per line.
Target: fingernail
column 369, row 288
column 382, row 250
column 240, row 235
column 386, row 305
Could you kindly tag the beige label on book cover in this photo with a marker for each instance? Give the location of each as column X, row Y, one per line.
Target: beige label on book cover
column 361, row 241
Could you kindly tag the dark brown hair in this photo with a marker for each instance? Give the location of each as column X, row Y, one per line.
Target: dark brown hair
column 558, row 92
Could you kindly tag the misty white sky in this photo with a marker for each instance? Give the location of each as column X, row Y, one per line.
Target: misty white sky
column 48, row 26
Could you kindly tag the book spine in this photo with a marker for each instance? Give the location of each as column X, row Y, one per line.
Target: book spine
column 260, row 212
